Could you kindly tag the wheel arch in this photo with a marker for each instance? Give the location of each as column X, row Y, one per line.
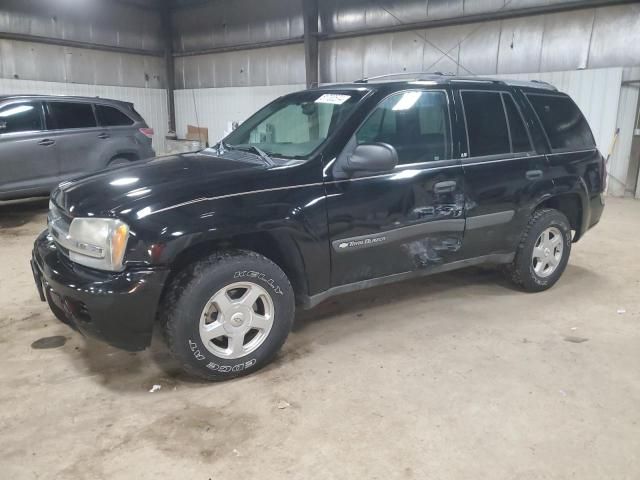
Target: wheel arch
column 572, row 205
column 281, row 250
column 129, row 155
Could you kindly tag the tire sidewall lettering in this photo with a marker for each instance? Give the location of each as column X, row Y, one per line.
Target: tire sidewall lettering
column 214, row 365
column 252, row 274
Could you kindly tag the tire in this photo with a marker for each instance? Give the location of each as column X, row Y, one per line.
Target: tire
column 197, row 302
column 533, row 275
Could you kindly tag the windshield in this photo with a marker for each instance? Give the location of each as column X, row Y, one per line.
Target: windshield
column 295, row 125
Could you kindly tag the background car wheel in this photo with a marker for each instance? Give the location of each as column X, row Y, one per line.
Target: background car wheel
column 228, row 315
column 118, row 161
column 543, row 252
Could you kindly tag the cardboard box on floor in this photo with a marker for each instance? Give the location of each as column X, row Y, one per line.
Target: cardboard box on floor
column 199, row 134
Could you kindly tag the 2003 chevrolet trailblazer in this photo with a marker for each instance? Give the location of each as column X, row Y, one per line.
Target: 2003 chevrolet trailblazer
column 321, row 192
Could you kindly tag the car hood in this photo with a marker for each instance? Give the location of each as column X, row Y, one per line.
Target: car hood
column 155, row 184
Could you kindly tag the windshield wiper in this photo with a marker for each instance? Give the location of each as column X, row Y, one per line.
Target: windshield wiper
column 251, row 149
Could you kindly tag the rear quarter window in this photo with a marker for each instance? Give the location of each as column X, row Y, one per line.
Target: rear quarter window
column 562, row 121
column 111, row 117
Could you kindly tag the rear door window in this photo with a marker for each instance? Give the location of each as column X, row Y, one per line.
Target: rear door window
column 66, row 115
column 486, row 122
column 111, row 117
column 563, row 122
column 415, row 123
column 21, row 117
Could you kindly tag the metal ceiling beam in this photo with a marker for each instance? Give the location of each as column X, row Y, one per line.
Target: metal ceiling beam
column 240, row 46
column 22, row 37
column 167, row 31
column 466, row 19
column 310, row 19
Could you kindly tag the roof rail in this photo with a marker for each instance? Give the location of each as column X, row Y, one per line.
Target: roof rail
column 461, row 79
column 545, row 83
column 531, row 83
column 399, row 74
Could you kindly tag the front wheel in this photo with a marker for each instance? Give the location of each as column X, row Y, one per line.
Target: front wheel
column 228, row 315
column 543, row 252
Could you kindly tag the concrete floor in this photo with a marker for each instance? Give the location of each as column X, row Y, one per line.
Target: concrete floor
column 449, row 377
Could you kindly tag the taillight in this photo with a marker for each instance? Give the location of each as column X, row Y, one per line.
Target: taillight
column 147, row 132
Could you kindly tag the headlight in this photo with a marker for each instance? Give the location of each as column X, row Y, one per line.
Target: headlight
column 98, row 242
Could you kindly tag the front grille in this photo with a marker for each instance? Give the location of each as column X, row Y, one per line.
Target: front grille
column 58, row 224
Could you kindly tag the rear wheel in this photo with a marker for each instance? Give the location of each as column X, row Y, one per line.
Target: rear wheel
column 543, row 252
column 228, row 315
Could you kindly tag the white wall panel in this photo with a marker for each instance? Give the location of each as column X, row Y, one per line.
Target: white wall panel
column 214, row 108
column 151, row 103
column 625, row 179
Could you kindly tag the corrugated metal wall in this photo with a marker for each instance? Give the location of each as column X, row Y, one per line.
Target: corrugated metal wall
column 221, row 23
column 215, row 108
column 94, row 21
column 54, row 63
column 103, row 24
column 587, row 38
column 265, row 66
column 151, row 103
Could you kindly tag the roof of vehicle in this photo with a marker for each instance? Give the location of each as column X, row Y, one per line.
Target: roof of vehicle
column 404, row 79
column 62, row 97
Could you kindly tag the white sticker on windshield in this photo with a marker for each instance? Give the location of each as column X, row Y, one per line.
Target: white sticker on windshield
column 334, row 98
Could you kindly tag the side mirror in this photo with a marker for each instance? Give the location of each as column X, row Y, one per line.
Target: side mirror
column 372, row 157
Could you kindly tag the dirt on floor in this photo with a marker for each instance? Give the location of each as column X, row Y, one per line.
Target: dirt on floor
column 456, row 376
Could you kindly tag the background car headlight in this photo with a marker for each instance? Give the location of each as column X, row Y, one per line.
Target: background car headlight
column 98, row 242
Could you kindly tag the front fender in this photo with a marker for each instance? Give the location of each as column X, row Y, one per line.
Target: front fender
column 289, row 226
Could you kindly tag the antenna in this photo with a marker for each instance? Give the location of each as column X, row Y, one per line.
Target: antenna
column 195, row 109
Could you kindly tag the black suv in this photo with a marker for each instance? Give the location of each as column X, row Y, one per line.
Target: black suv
column 321, row 192
column 47, row 139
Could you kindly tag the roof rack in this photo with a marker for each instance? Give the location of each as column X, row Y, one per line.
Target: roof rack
column 461, row 79
column 400, row 74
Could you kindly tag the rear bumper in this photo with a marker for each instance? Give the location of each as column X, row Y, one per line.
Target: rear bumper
column 118, row 308
column 596, row 207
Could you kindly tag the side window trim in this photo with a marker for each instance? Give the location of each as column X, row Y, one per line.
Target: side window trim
column 524, row 123
column 506, row 117
column 398, row 92
column 499, row 156
column 540, row 124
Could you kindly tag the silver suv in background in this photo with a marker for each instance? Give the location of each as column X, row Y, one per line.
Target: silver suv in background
column 47, row 139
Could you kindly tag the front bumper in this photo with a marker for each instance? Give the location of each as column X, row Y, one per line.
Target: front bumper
column 118, row 308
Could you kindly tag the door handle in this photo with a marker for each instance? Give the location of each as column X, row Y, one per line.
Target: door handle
column 46, row 142
column 104, row 135
column 445, row 187
column 534, row 174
